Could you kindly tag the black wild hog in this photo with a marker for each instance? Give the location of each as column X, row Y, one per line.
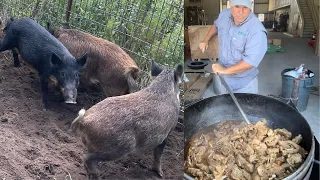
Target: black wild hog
column 119, row 125
column 108, row 65
column 46, row 54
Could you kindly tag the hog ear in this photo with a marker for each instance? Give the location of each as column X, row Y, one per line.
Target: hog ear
column 155, row 68
column 55, row 60
column 178, row 73
column 82, row 61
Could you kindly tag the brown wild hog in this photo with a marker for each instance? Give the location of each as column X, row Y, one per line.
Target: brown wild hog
column 119, row 125
column 107, row 64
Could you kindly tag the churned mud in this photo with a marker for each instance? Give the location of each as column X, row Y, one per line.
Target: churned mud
column 36, row 144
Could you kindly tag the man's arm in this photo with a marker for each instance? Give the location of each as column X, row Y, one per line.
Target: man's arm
column 241, row 66
column 212, row 31
column 204, row 44
column 255, row 50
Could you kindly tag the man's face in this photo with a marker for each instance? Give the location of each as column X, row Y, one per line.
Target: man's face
column 240, row 13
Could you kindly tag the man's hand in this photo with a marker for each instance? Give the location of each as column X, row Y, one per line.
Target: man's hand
column 203, row 46
column 217, row 68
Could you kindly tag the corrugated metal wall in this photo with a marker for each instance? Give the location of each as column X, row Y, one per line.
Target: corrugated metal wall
column 271, row 4
column 274, row 4
column 261, row 1
column 282, row 3
column 212, row 9
column 188, row 3
column 261, row 8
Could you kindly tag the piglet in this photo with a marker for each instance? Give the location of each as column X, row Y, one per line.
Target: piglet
column 46, row 54
column 120, row 125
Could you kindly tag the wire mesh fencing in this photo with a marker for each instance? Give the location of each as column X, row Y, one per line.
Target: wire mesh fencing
column 145, row 29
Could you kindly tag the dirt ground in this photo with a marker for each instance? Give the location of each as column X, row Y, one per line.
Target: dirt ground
column 36, row 144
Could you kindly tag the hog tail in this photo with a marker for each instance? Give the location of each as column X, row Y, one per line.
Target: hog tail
column 75, row 123
column 132, row 76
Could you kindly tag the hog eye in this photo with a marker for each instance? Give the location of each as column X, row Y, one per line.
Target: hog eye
column 62, row 74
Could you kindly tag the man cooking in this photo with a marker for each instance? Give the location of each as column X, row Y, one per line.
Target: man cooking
column 243, row 44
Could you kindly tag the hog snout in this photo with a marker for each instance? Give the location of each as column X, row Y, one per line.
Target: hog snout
column 69, row 95
column 70, row 102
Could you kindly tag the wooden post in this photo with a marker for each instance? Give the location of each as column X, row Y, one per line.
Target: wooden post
column 68, row 11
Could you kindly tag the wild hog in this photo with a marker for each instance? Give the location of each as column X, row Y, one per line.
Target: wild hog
column 46, row 54
column 108, row 65
column 119, row 125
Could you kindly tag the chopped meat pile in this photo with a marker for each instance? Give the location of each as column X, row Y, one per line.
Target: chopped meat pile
column 239, row 151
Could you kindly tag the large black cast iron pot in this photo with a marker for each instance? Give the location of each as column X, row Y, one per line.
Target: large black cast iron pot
column 257, row 107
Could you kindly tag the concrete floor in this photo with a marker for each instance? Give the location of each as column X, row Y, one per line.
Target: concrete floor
column 296, row 53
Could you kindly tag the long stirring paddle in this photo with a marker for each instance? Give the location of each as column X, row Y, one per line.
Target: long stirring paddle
column 230, row 92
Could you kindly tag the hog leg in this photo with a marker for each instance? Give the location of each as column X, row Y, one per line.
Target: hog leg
column 157, row 152
column 90, row 163
column 9, row 42
column 91, row 160
column 16, row 61
column 44, row 90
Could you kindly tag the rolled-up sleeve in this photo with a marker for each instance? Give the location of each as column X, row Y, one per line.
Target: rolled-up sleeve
column 216, row 23
column 255, row 48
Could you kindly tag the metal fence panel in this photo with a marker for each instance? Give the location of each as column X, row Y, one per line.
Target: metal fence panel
column 145, row 29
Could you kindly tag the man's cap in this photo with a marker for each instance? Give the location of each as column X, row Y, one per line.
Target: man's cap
column 246, row 3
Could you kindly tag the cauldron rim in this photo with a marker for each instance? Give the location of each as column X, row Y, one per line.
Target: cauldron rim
column 310, row 156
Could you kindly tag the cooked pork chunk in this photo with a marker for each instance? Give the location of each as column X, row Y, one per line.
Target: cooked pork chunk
column 237, row 151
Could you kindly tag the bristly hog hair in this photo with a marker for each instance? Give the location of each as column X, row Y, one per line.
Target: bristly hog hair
column 108, row 65
column 46, row 54
column 119, row 125
column 137, row 105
